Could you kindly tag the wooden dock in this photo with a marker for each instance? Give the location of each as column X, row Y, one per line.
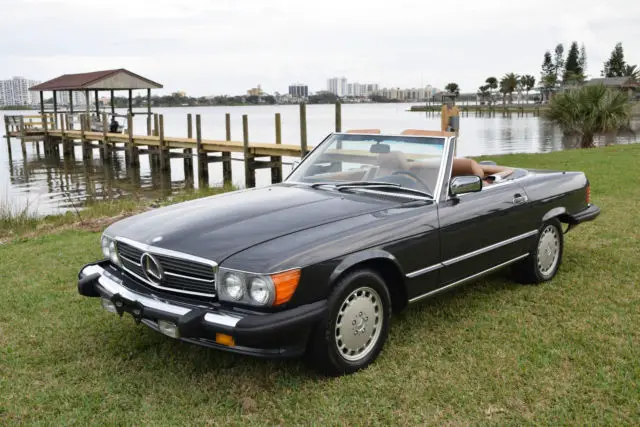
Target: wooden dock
column 61, row 130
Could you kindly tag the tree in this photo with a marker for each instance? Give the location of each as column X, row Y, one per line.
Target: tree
column 589, row 110
column 453, row 88
column 572, row 64
column 558, row 59
column 548, row 77
column 508, row 84
column 632, row 71
column 484, row 93
column 528, row 82
column 492, row 86
column 615, row 66
column 582, row 61
column 323, row 97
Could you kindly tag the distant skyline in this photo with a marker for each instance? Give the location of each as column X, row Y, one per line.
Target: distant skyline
column 228, row 47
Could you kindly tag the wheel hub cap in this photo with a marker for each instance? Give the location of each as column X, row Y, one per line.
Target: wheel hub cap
column 548, row 250
column 358, row 324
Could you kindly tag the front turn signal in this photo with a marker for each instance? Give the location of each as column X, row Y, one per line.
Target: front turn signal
column 285, row 285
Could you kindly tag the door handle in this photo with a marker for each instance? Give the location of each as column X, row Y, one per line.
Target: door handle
column 519, row 199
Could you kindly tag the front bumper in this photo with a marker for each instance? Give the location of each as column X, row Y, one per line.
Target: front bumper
column 281, row 334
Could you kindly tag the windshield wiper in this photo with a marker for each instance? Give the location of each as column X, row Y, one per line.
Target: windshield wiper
column 384, row 187
column 353, row 184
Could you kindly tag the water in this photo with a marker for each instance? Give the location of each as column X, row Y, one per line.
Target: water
column 52, row 185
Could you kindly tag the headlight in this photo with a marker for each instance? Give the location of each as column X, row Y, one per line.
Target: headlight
column 110, row 249
column 261, row 290
column 105, row 246
column 113, row 253
column 233, row 286
column 256, row 289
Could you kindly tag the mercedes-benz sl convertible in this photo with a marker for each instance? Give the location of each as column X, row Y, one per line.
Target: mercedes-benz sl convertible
column 365, row 225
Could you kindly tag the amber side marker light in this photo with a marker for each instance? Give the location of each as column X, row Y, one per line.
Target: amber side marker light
column 285, row 284
column 588, row 194
column 225, row 339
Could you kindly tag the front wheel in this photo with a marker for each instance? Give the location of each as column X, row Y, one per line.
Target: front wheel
column 355, row 329
column 544, row 260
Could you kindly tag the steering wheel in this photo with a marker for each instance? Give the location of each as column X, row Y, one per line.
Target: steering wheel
column 415, row 177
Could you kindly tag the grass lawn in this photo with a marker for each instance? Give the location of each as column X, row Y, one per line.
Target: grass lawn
column 494, row 352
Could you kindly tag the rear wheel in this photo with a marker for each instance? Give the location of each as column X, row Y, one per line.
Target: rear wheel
column 355, row 329
column 545, row 258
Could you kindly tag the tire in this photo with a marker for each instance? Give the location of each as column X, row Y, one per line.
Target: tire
column 355, row 328
column 546, row 256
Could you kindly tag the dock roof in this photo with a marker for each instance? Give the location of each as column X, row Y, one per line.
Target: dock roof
column 119, row 79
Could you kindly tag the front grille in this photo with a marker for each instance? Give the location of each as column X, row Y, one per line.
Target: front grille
column 180, row 275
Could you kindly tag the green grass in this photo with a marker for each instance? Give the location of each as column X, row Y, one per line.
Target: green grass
column 495, row 352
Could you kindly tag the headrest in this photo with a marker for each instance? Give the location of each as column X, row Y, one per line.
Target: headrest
column 394, row 160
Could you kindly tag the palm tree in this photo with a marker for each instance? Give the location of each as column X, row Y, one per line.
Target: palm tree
column 483, row 92
column 632, row 71
column 491, row 84
column 508, row 84
column 589, row 110
column 528, row 82
column 453, row 88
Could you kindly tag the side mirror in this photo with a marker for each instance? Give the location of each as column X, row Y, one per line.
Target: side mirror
column 465, row 184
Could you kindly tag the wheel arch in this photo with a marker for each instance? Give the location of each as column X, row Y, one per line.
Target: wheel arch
column 383, row 263
column 557, row 212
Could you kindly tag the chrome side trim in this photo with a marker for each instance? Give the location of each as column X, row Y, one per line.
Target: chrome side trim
column 113, row 285
column 467, row 279
column 470, row 254
column 425, row 270
column 167, row 252
column 143, row 280
column 489, row 248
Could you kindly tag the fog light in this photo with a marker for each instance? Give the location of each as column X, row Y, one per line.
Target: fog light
column 170, row 329
column 108, row 305
column 225, row 339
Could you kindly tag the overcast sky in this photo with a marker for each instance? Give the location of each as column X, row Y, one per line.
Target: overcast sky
column 208, row 47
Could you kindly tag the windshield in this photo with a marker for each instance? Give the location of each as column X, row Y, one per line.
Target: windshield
column 411, row 162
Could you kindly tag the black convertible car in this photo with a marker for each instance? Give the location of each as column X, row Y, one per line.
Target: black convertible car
column 365, row 225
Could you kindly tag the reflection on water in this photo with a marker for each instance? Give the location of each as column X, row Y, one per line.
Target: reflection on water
column 51, row 183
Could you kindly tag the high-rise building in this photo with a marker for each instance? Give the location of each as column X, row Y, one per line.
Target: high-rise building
column 298, row 90
column 79, row 99
column 16, row 92
column 338, row 86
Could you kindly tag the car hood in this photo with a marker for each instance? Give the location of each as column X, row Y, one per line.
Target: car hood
column 219, row 226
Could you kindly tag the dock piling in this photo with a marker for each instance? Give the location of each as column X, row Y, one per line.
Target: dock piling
column 338, row 116
column 276, row 169
column 203, row 164
column 249, row 170
column 227, row 176
column 303, row 129
column 164, row 151
column 188, row 152
column 132, row 150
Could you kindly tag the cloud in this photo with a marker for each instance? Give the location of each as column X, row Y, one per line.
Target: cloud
column 226, row 46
